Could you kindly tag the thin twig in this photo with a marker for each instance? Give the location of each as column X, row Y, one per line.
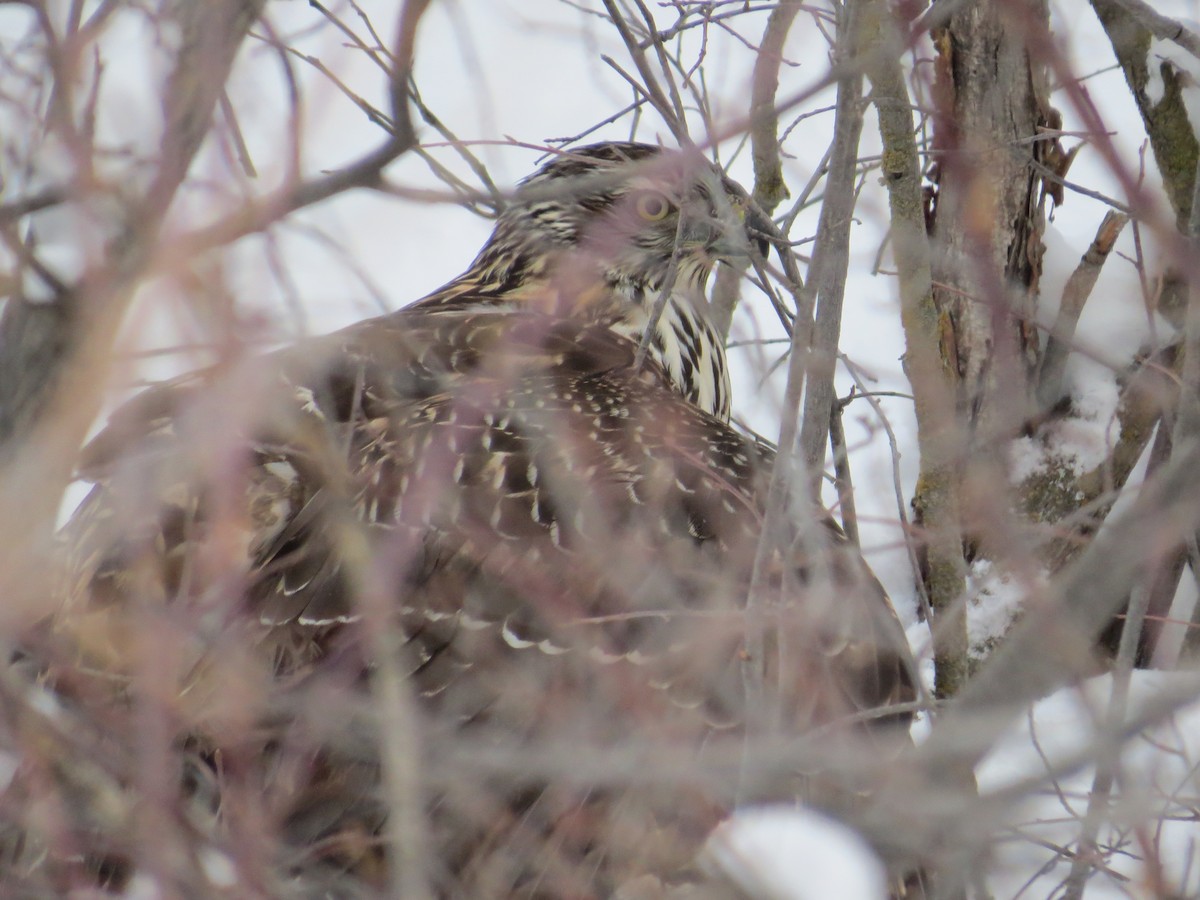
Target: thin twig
column 235, row 132
column 1048, row 174
column 664, row 61
column 1108, row 760
column 649, row 85
column 842, row 476
column 782, row 484
column 897, row 483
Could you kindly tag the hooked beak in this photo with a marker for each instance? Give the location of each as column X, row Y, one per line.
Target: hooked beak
column 759, row 228
column 728, row 223
column 729, row 237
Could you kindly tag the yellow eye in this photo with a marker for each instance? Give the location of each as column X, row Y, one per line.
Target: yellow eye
column 653, row 207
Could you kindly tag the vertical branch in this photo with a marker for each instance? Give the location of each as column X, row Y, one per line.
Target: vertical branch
column 1185, row 435
column 398, row 716
column 934, row 381
column 1186, row 431
column 1187, row 422
column 1131, row 25
column 831, row 255
column 769, row 187
column 1172, row 137
column 1075, row 295
column 988, row 219
column 400, row 743
column 1108, row 758
column 841, row 468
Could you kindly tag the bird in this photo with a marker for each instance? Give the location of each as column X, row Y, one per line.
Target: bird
column 518, row 505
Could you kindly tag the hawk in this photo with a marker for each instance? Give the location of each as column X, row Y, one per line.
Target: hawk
column 462, row 587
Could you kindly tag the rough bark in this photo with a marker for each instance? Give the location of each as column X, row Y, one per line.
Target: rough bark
column 1131, row 27
column 987, row 227
column 1172, row 137
column 933, row 380
column 987, row 221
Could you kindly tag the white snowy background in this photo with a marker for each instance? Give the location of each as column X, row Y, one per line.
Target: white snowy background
column 532, row 70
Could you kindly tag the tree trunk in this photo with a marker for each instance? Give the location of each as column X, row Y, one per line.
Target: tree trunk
column 987, row 232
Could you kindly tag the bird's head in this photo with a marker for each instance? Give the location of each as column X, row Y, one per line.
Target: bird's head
column 618, row 216
column 624, row 235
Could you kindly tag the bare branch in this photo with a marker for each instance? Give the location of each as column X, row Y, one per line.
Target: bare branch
column 1172, row 136
column 831, row 253
column 1162, row 27
column 1051, row 646
column 842, row 474
column 18, row 209
column 1075, row 296
column 210, row 37
column 769, row 186
column 649, row 84
column 932, row 378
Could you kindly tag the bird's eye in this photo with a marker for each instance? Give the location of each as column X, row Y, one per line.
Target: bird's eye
column 653, row 207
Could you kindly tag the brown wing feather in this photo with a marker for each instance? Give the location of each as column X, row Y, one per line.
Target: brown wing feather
column 569, row 543
column 598, row 515
column 407, row 355
column 593, row 541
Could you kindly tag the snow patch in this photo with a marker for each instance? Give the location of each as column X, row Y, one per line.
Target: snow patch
column 142, row 887
column 9, row 765
column 1025, row 456
column 44, row 702
column 1086, row 437
column 218, row 868
column 995, row 600
column 1080, row 441
column 1153, row 831
column 793, row 853
column 1186, row 67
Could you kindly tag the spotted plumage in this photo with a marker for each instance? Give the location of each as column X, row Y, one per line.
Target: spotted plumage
column 554, row 536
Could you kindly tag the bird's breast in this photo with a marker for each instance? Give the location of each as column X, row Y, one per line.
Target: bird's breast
column 686, row 345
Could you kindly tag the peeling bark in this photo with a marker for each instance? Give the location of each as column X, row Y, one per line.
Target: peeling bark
column 988, row 220
column 987, row 224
